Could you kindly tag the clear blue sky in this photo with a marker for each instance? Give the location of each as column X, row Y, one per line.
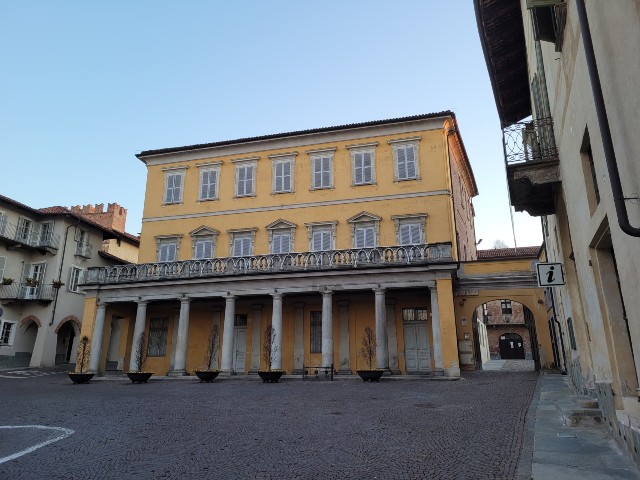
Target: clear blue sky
column 87, row 85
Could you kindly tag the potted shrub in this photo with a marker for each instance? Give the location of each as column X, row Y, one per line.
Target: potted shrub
column 208, row 371
column 138, row 374
column 269, row 349
column 7, row 281
column 82, row 362
column 31, row 282
column 57, row 284
column 367, row 351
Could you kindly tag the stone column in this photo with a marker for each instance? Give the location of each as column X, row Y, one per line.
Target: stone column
column 138, row 329
column 392, row 336
column 298, row 339
column 96, row 338
column 180, row 364
column 435, row 331
column 327, row 328
column 276, row 323
column 382, row 345
column 227, row 335
column 256, row 334
column 344, row 358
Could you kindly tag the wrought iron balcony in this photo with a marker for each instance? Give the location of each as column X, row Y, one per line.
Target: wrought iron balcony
column 274, row 263
column 15, row 235
column 531, row 155
column 24, row 291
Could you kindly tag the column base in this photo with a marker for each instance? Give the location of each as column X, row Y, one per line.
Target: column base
column 177, row 373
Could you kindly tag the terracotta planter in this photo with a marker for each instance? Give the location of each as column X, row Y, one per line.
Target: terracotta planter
column 370, row 375
column 207, row 375
column 271, row 376
column 139, row 377
column 80, row 377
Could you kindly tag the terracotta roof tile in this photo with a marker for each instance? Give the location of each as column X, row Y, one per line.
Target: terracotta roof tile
column 522, row 252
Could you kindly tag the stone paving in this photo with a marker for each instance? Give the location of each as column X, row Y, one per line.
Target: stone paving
column 244, row 429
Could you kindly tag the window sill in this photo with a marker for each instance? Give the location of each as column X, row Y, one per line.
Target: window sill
column 203, row 200
column 280, row 193
column 172, row 203
column 249, row 195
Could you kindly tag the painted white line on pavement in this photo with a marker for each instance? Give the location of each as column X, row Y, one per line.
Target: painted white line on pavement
column 65, row 432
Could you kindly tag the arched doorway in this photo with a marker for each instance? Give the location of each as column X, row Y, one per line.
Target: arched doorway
column 511, row 347
column 65, row 343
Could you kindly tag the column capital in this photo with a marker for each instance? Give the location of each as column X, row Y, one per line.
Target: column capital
column 327, row 293
column 142, row 301
column 102, row 304
column 379, row 290
column 277, row 294
column 184, row 300
column 229, row 296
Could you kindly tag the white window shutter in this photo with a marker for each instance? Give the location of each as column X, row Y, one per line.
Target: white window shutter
column 249, row 181
column 358, row 167
column 411, row 162
column 286, row 176
column 326, row 172
column 370, row 240
column 415, row 235
column 317, row 173
column 3, row 261
column 360, row 238
column 367, row 168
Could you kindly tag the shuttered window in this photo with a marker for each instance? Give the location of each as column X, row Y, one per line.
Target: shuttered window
column 322, row 175
column 7, row 332
column 282, row 176
column 173, row 187
column 321, row 240
column 167, row 251
column 281, row 243
column 410, row 234
column 242, row 245
column 75, row 277
column 208, row 184
column 362, row 168
column 3, row 261
column 203, row 248
column 158, row 337
column 244, row 180
column 364, row 237
column 316, row 332
column 406, row 162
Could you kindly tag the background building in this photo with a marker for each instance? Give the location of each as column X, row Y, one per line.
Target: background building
column 565, row 77
column 44, row 254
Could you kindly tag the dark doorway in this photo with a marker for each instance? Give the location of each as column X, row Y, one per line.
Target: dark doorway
column 511, row 347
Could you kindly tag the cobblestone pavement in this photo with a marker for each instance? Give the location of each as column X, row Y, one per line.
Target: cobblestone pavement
column 244, row 429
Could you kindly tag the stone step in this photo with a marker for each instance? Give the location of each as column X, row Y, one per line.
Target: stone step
column 583, row 417
column 588, row 402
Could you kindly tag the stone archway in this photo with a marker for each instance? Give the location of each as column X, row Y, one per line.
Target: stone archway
column 67, row 332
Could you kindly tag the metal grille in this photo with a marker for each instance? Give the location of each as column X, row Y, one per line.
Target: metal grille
column 316, row 332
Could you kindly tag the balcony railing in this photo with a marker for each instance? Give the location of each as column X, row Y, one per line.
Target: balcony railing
column 17, row 234
column 529, row 141
column 23, row 291
column 274, row 263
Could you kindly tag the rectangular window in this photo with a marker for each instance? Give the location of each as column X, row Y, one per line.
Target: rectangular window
column 506, row 307
column 46, row 234
column 24, row 230
column 75, row 278
column 321, row 240
column 3, row 261
column 167, row 251
column 7, row 332
column 405, row 162
column 83, row 248
column 410, row 234
column 364, row 237
column 322, row 174
column 415, row 314
column 3, row 223
column 362, row 168
column 316, row 332
column 158, row 328
column 282, row 181
column 244, row 180
column 173, row 186
column 209, row 183
column 240, row 320
column 203, row 248
column 281, row 243
column 242, row 245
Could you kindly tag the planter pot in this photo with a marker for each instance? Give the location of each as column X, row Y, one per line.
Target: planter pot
column 80, row 377
column 370, row 375
column 207, row 375
column 271, row 376
column 139, row 377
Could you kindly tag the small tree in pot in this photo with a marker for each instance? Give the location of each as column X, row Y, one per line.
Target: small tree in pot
column 368, row 346
column 82, row 362
column 138, row 374
column 269, row 350
column 207, row 373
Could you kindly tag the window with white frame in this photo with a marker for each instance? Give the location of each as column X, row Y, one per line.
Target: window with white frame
column 281, row 235
column 321, row 236
column 364, row 230
column 23, row 234
column 245, row 178
column 203, row 241
column 167, row 248
column 282, row 174
column 173, row 185
column 363, row 165
column 322, row 170
column 83, row 247
column 7, row 332
column 242, row 242
column 75, row 278
column 405, row 154
column 410, row 229
column 209, row 179
column 158, row 327
column 3, row 222
column 3, row 261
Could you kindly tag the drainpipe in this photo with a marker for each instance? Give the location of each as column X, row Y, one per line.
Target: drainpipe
column 603, row 123
column 64, row 248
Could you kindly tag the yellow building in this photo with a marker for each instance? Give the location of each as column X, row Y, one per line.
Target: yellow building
column 318, row 233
